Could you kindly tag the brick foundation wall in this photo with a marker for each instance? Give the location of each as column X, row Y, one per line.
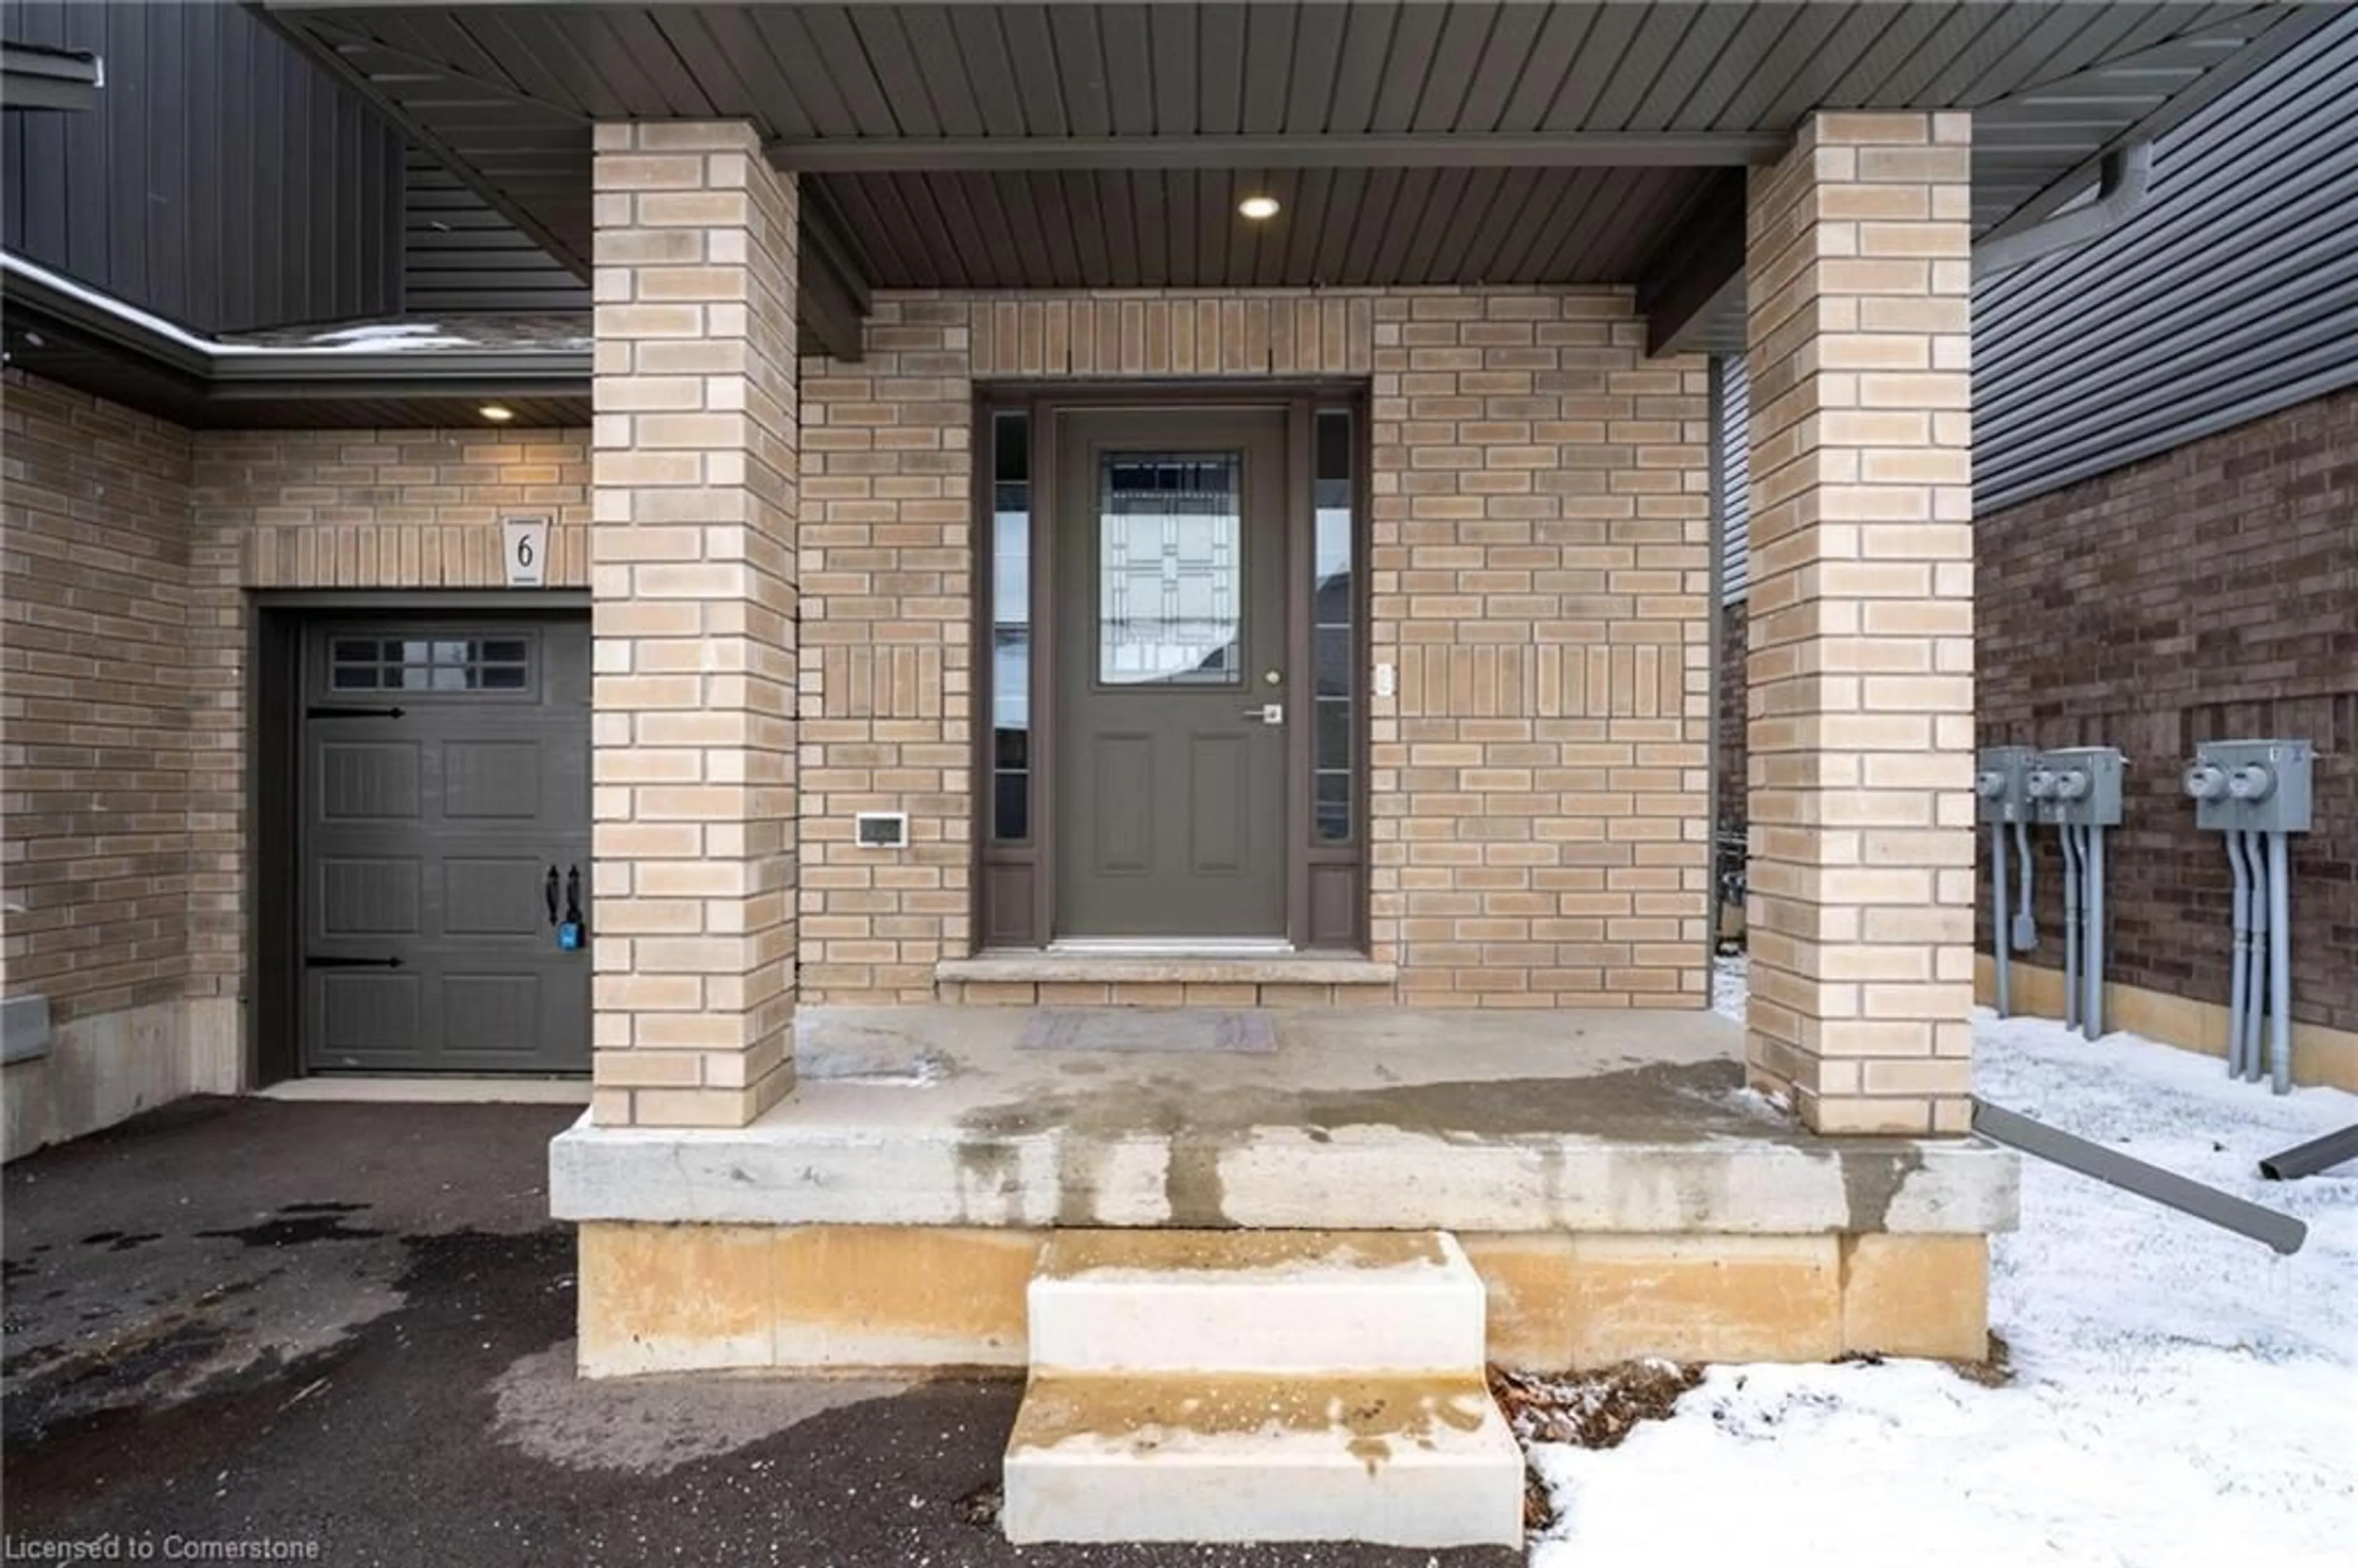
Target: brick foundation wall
column 93, row 596
column 2211, row 594
column 338, row 509
column 1539, row 534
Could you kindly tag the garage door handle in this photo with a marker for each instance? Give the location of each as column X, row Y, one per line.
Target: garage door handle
column 550, row 889
column 352, row 963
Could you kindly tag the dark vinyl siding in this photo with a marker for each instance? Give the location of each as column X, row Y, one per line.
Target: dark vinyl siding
column 2232, row 294
column 224, row 181
column 459, row 255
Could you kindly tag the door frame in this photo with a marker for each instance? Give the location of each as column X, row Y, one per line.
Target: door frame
column 276, row 677
column 1015, row 901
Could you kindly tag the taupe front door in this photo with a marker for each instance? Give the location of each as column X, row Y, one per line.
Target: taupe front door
column 446, row 843
column 1171, row 681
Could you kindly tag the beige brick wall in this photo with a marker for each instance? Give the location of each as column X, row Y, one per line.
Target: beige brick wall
column 1861, row 655
column 1538, row 574
column 694, row 576
column 338, row 509
column 94, row 702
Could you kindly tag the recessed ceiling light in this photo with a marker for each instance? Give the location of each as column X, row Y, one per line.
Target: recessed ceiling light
column 497, row 413
column 1257, row 208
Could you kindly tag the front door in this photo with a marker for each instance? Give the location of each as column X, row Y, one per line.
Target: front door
column 1169, row 567
column 446, row 845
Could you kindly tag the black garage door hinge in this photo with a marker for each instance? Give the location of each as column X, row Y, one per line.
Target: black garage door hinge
column 352, row 963
column 331, row 710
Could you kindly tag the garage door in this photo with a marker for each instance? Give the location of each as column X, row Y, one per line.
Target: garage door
column 446, row 839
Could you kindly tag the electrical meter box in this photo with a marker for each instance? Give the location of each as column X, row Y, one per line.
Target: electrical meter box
column 2079, row 785
column 2258, row 786
column 2002, row 784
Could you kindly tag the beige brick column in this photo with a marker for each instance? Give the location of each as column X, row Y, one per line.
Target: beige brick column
column 694, row 501
column 1861, row 625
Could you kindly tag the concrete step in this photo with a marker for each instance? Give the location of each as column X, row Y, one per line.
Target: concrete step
column 1422, row 1461
column 1362, row 1303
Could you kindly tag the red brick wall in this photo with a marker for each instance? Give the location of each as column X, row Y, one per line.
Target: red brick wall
column 2210, row 593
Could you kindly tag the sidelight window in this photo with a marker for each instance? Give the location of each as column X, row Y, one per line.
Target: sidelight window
column 1333, row 631
column 1010, row 628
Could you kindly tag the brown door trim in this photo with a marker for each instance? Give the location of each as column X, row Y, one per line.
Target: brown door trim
column 1301, row 673
column 1015, row 901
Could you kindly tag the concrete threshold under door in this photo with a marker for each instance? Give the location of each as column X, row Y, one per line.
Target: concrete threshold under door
column 432, row 1091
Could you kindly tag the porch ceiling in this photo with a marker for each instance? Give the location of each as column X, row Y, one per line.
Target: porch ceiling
column 975, row 144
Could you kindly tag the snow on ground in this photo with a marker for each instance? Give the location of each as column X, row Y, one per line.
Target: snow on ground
column 1729, row 985
column 2182, row 1397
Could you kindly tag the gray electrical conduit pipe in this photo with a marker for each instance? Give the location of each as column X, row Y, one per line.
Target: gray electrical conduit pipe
column 2026, row 922
column 2002, row 938
column 2280, row 962
column 2091, row 910
column 2255, row 989
column 2070, row 925
column 2242, row 948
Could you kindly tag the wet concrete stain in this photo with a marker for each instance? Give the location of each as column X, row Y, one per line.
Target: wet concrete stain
column 1687, row 1103
column 1656, row 1102
column 121, row 1241
column 1870, row 1185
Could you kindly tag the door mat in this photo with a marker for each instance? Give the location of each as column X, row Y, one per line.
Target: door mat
column 1140, row 1029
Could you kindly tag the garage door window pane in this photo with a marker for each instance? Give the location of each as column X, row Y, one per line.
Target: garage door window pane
column 439, row 664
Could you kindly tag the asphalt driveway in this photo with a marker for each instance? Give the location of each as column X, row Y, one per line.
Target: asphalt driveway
column 341, row 1333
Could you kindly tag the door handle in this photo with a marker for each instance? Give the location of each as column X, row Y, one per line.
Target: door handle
column 1267, row 713
column 550, row 890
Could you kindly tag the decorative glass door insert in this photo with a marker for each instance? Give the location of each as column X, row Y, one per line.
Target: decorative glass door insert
column 1171, row 588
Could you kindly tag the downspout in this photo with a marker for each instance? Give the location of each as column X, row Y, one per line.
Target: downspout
column 2120, row 189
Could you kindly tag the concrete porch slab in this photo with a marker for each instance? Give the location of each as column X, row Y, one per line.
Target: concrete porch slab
column 1590, row 1122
